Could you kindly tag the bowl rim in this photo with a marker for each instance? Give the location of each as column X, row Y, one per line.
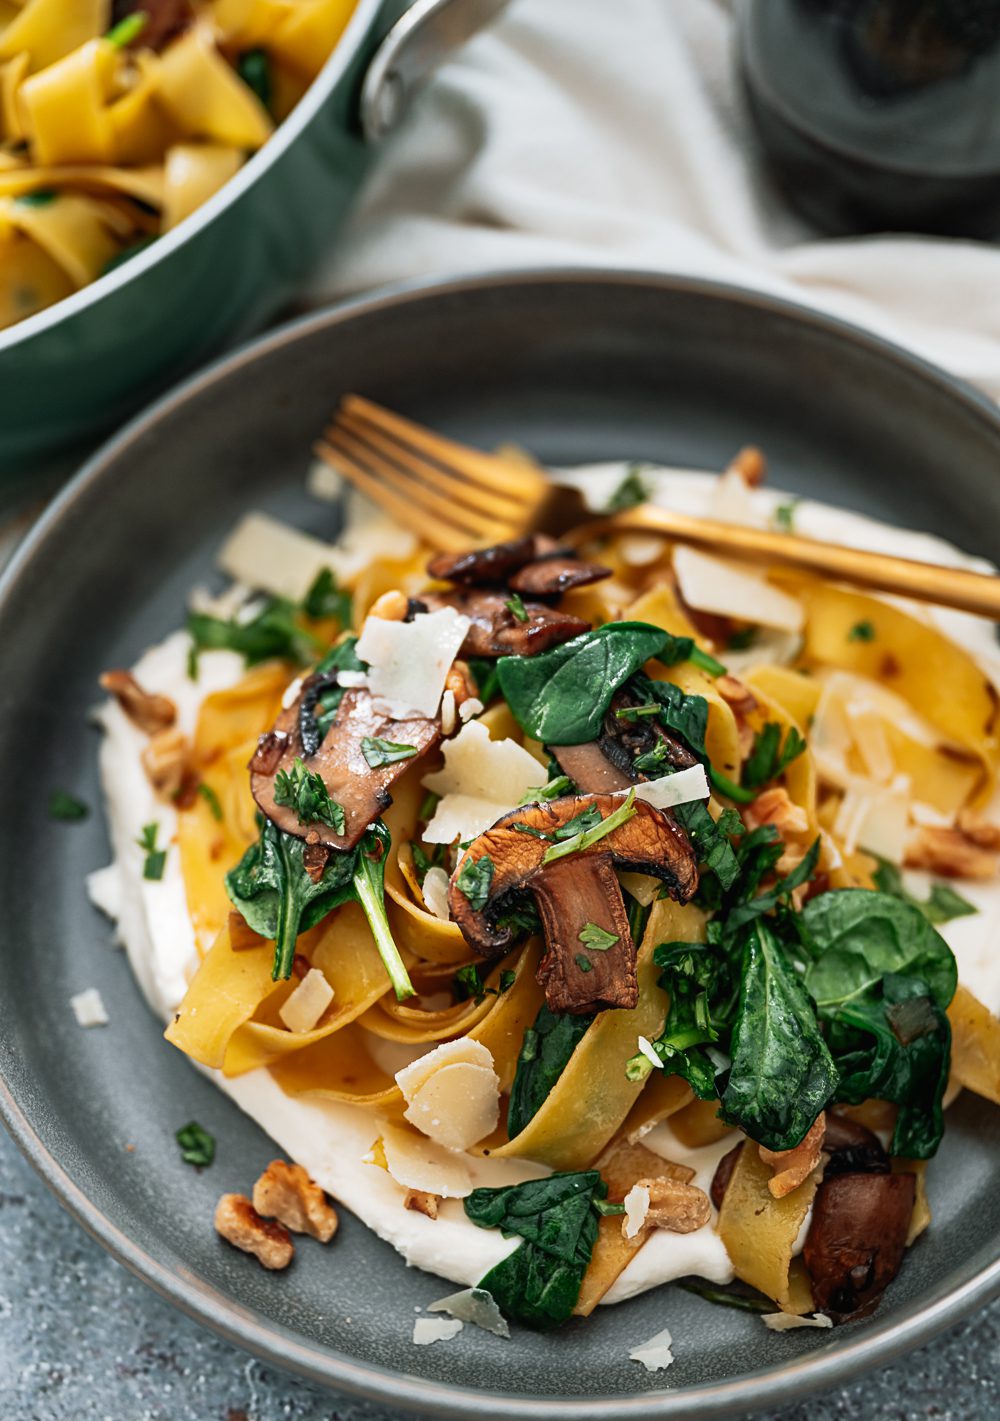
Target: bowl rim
column 284, row 135
column 789, row 1380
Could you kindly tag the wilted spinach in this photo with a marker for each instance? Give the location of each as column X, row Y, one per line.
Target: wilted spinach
column 770, row 756
column 545, row 1051
column 942, row 904
column 557, row 1217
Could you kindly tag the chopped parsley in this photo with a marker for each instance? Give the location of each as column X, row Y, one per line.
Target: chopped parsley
column 379, row 752
column 583, row 962
column 41, row 197
column 592, row 835
column 632, row 491
column 303, row 791
column 197, row 1145
column 515, row 606
column 66, row 806
column 598, row 939
column 325, row 599
column 562, row 784
column 210, row 797
column 862, row 631
column 784, row 515
column 769, row 757
column 743, row 639
column 126, row 31
column 474, row 879
column 156, row 859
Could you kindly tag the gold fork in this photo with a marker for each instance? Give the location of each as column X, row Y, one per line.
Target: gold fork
column 455, row 497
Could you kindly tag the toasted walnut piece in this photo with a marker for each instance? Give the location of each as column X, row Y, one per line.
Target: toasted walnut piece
column 978, row 829
column 738, row 697
column 950, row 853
column 793, row 1167
column 673, row 1205
column 149, row 712
column 459, row 682
column 285, row 1192
column 239, row 1223
column 422, row 1202
column 751, row 465
column 390, row 607
column 775, row 807
column 165, row 760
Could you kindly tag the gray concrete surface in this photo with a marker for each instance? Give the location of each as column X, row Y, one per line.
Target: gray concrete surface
column 81, row 1340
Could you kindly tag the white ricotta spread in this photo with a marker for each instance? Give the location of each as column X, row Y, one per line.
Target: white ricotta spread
column 332, row 1140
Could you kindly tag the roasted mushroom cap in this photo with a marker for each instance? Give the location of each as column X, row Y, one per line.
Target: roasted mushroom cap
column 497, row 631
column 362, row 792
column 724, row 1173
column 483, row 566
column 552, row 576
column 590, row 961
column 857, row 1239
column 851, row 1149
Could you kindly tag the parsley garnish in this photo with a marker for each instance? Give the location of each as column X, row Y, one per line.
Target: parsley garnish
column 254, row 68
column 862, row 631
column 474, row 879
column 583, row 962
column 155, row 860
column 325, row 599
column 127, row 30
column 591, row 835
column 632, row 491
column 66, row 806
column 197, row 1145
column 769, row 758
column 41, row 197
column 742, row 640
column 303, row 791
column 379, row 752
column 210, row 797
column 598, row 939
column 515, row 606
column 562, row 784
column 507, row 978
column 784, row 515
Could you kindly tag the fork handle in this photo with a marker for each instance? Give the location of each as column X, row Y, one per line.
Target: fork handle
column 976, row 592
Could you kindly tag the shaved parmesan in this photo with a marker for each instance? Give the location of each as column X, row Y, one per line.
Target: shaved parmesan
column 481, row 779
column 435, row 891
column 649, row 1053
column 457, row 1106
column 712, row 585
column 875, row 817
column 679, row 788
column 636, row 1208
column 656, row 1354
column 732, row 500
column 435, row 1329
column 408, row 662
column 785, row 1321
column 640, row 549
column 292, row 693
column 273, row 557
column 448, row 712
column 418, row 1163
column 476, row 1306
column 449, row 1053
column 307, row 1003
column 88, row 1008
column 469, row 708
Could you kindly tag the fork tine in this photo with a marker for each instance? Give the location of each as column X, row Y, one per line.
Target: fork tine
column 415, row 505
column 453, row 483
column 483, row 469
column 405, row 511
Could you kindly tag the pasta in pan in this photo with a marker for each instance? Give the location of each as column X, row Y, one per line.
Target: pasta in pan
column 119, row 118
column 565, row 904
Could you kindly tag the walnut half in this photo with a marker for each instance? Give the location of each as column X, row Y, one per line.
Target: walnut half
column 239, row 1223
column 147, row 711
column 422, row 1202
column 676, row 1206
column 286, row 1193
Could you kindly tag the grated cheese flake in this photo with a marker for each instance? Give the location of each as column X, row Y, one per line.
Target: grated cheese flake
column 435, row 891
column 656, row 1354
column 307, row 1003
column 435, row 1329
column 481, row 779
column 636, row 1208
column 786, row 1321
column 271, row 556
column 88, row 1008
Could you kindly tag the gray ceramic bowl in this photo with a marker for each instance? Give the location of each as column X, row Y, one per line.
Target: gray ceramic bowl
column 575, row 367
column 81, row 366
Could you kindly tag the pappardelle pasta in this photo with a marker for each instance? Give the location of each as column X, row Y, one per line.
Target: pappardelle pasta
column 119, row 118
column 601, row 899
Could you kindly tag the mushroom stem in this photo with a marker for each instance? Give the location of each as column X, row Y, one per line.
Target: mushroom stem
column 590, row 962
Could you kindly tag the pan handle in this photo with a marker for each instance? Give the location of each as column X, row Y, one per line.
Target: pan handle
column 425, row 36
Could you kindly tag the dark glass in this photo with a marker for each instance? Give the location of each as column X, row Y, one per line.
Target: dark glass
column 880, row 114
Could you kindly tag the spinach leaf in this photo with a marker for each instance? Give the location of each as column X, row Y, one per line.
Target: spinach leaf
column 769, row 757
column 273, row 632
column 856, row 935
column 782, row 1073
column 486, row 678
column 710, row 839
column 561, row 696
column 684, row 715
column 728, row 1297
column 941, row 906
column 699, row 980
column 539, row 1283
column 254, row 68
column 278, row 898
column 894, row 1043
column 66, row 806
column 545, row 1051
column 369, row 889
column 325, row 599
column 755, row 906
column 322, row 695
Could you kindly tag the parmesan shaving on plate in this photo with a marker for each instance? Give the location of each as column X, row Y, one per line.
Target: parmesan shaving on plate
column 636, row 1208
column 655, row 1355
column 418, row 1163
column 408, row 662
column 88, row 1008
column 786, row 1321
column 474, row 1305
column 307, row 1003
column 481, row 779
column 712, row 585
column 435, row 1329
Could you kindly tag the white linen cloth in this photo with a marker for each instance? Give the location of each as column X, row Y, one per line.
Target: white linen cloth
column 613, row 132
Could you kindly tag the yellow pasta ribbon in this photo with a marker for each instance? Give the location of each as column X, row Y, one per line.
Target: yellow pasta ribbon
column 306, row 37
column 975, row 1045
column 31, row 279
column 194, row 172
column 206, row 98
column 759, row 1231
column 74, row 230
column 47, row 30
column 65, row 106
